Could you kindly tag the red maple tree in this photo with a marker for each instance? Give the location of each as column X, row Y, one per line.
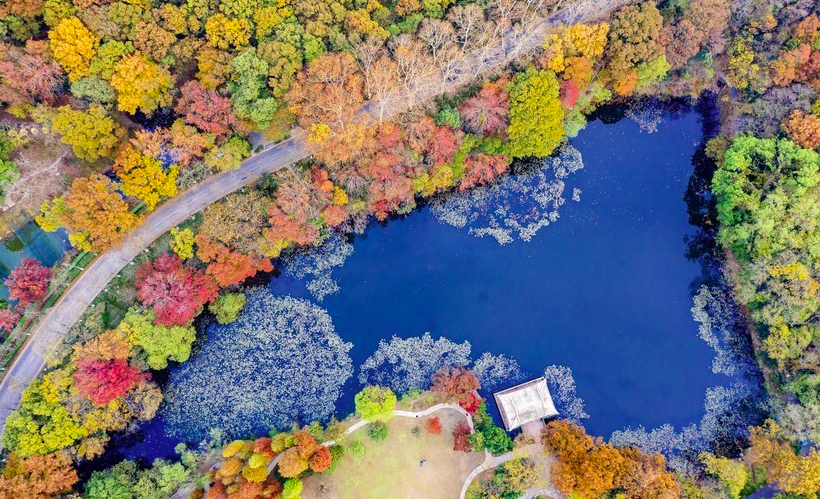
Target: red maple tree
column 321, row 460
column 481, row 168
column 103, row 381
column 206, row 109
column 486, row 113
column 28, row 282
column 569, row 94
column 8, row 319
column 175, row 292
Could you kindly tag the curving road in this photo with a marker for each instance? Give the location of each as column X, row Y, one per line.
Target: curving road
column 54, row 325
column 59, row 318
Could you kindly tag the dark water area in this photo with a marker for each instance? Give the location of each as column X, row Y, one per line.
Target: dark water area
column 605, row 290
column 30, row 241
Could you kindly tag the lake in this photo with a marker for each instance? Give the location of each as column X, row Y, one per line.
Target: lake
column 606, row 289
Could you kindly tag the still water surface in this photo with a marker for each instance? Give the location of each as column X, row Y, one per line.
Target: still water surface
column 606, row 290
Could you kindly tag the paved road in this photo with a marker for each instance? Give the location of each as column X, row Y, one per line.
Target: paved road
column 57, row 321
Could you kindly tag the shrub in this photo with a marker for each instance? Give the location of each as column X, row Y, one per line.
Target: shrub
column 356, row 448
column 461, row 434
column 227, row 307
column 336, row 453
column 433, row 426
column 494, row 439
column 378, row 431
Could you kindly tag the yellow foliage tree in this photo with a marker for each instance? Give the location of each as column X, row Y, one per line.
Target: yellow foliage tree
column 732, row 474
column 141, row 84
column 183, row 243
column 224, row 32
column 787, row 471
column 73, row 46
column 586, row 40
column 91, row 133
column 144, row 178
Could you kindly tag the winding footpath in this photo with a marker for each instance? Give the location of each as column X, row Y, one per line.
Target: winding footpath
column 186, row 489
column 54, row 325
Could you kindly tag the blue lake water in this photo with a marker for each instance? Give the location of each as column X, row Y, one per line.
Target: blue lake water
column 605, row 290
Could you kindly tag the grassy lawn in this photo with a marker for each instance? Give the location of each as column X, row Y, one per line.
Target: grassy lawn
column 391, row 469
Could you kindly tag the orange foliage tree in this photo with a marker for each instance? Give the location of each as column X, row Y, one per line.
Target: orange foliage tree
column 228, row 267
column 94, row 212
column 321, row 460
column 803, row 129
column 292, row 464
column 37, row 477
column 588, row 468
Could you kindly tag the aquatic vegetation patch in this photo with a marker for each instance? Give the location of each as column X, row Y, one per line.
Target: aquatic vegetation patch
column 404, row 364
column 493, row 371
column 280, row 362
column 647, row 114
column 562, row 388
column 729, row 410
column 516, row 207
column 719, row 324
column 316, row 265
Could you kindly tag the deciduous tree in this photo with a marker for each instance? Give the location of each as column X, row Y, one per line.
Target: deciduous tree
column 28, row 282
column 103, row 381
column 141, row 84
column 634, row 38
column 732, row 474
column 585, row 467
column 229, row 155
column 803, row 129
column 329, row 91
column 144, row 178
column 9, row 319
column 375, row 403
column 248, row 88
column 37, row 477
column 536, row 116
column 487, row 112
column 292, row 464
column 206, row 109
column 73, row 46
column 182, row 243
column 227, row 307
column 93, row 211
column 91, row 133
column 159, row 343
column 223, row 32
column 174, row 292
column 228, row 267
column 28, row 75
column 481, row 168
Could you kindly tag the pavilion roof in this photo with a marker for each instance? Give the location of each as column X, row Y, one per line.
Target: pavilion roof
column 525, row 403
